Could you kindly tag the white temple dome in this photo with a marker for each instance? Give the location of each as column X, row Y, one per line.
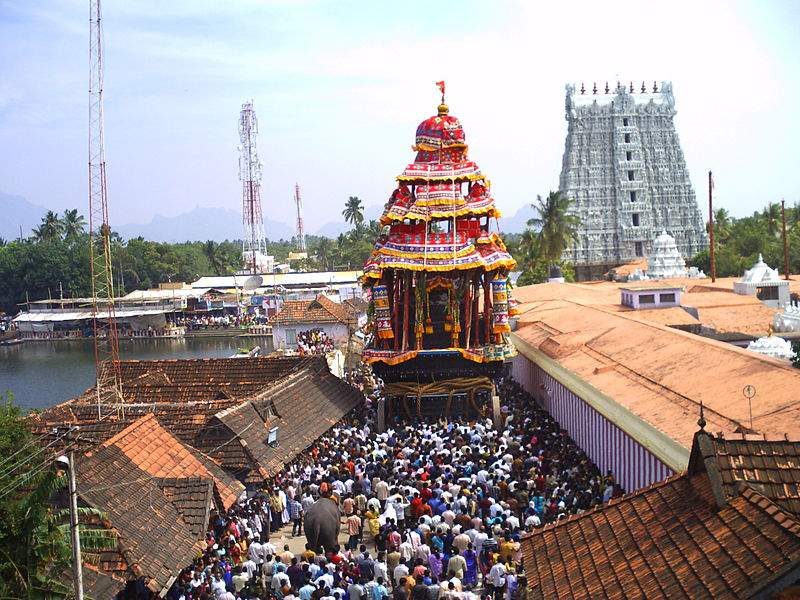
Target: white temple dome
column 665, row 260
column 773, row 346
column 760, row 272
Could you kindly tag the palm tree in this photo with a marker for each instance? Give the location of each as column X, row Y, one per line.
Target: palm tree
column 771, row 215
column 722, row 224
column 216, row 258
column 51, row 227
column 528, row 248
column 73, row 223
column 556, row 224
column 3, row 242
column 353, row 211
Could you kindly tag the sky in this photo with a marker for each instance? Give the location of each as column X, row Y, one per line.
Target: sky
column 339, row 88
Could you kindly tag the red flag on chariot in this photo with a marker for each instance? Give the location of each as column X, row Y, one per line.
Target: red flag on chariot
column 440, row 85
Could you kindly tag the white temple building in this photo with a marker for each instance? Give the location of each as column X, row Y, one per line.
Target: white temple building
column 624, row 170
column 787, row 321
column 665, row 261
column 765, row 284
column 773, row 346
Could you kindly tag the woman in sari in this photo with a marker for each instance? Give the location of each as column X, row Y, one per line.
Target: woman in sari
column 471, row 572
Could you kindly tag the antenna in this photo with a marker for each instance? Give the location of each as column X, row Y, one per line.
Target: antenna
column 253, row 244
column 301, row 235
column 104, row 324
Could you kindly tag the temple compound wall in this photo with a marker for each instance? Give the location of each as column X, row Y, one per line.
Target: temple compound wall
column 624, row 169
column 602, row 436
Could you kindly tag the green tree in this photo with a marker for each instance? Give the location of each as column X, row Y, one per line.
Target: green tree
column 216, row 257
column 324, row 252
column 73, row 224
column 353, row 211
column 557, row 226
column 51, row 227
column 722, row 225
column 772, row 218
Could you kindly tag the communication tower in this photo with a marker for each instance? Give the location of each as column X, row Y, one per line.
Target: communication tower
column 301, row 235
column 106, row 342
column 254, row 245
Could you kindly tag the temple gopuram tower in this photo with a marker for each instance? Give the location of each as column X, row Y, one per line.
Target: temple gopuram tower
column 624, row 169
column 438, row 283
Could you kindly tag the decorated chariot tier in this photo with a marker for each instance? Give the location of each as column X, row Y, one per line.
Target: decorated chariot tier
column 438, row 275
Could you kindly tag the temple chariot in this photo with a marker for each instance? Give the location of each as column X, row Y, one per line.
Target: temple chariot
column 438, row 280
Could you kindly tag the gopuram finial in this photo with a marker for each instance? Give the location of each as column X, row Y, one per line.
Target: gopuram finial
column 644, row 88
column 583, row 88
column 655, row 87
column 607, row 88
column 702, row 420
column 631, row 90
column 594, row 89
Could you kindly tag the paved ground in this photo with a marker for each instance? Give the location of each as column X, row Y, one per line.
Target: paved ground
column 297, row 544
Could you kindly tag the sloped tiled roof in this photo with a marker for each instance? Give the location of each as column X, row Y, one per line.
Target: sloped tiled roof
column 156, row 451
column 154, row 539
column 666, row 541
column 98, row 585
column 770, row 467
column 320, row 310
column 220, row 371
column 193, row 498
column 307, row 406
column 660, row 374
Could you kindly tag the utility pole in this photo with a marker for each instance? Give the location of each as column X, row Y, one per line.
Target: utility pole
column 711, row 226
column 77, row 565
column 785, row 243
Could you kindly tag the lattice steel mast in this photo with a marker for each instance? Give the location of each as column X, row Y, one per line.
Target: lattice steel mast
column 106, row 342
column 253, row 244
column 301, row 234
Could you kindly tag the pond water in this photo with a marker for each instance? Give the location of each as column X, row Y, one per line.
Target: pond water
column 40, row 374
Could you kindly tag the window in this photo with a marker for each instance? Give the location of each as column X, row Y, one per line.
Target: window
column 767, row 292
column 647, row 298
column 625, row 121
column 630, row 175
column 291, row 337
column 667, row 298
column 633, row 196
column 638, row 248
column 272, row 437
column 629, row 155
column 627, row 138
column 635, row 219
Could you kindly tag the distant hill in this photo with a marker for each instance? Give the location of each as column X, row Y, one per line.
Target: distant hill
column 334, row 228
column 16, row 212
column 201, row 223
column 517, row 222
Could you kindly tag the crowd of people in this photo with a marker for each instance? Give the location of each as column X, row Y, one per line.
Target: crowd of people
column 221, row 321
column 431, row 510
column 314, row 342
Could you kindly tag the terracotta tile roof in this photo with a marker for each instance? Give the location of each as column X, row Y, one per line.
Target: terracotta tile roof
column 320, row 310
column 212, row 371
column 96, row 584
column 661, row 374
column 156, row 451
column 770, row 467
column 666, row 541
column 302, row 407
column 194, row 499
column 154, row 539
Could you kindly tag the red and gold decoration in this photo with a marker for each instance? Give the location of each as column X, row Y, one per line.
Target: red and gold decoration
column 438, row 272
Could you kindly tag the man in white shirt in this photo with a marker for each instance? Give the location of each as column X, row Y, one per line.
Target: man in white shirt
column 496, row 580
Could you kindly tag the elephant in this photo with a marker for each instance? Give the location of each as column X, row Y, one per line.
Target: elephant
column 322, row 523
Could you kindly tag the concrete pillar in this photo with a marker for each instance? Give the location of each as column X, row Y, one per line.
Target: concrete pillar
column 497, row 417
column 380, row 411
